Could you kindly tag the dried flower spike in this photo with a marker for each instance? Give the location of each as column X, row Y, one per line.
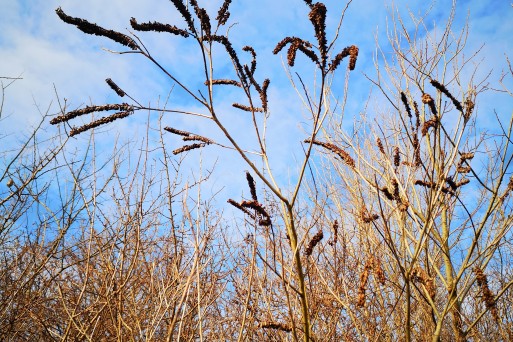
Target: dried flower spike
column 177, row 131
column 252, row 186
column 223, row 14
column 90, row 109
column 337, row 150
column 427, row 99
column 317, row 16
column 313, row 242
column 74, row 131
column 158, row 27
column 188, row 148
column 275, row 326
column 444, row 90
column 115, row 87
column 90, row 28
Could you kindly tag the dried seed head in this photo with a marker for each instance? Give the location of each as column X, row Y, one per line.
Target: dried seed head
column 275, row 326
column 420, row 276
column 249, row 49
column 224, row 82
column 380, row 146
column 91, row 109
column 417, row 115
column 378, row 270
column 487, row 295
column 353, row 56
column 469, row 107
column 317, row 16
column 463, row 169
column 177, row 131
column 466, row 156
column 397, row 157
column 363, row 284
column 444, row 90
column 202, row 15
column 406, row 104
column 158, row 27
column 115, row 87
column 427, row 99
column 416, row 150
column 195, row 137
column 263, row 94
column 255, row 206
column 188, row 148
column 223, row 14
column 429, row 124
column 247, row 109
column 296, row 44
column 252, row 186
column 238, row 206
column 313, row 242
column 231, row 52
column 77, row 130
column 395, row 186
column 333, row 242
column 90, row 28
column 387, row 193
column 185, row 14
column 337, row 150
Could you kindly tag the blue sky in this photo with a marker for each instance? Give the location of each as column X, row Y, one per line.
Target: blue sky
column 46, row 53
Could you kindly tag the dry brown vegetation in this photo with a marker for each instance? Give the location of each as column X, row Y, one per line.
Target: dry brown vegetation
column 396, row 228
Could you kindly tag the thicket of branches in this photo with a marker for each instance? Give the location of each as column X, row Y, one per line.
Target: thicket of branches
column 397, row 225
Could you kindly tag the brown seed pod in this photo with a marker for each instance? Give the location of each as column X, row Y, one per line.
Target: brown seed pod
column 380, row 146
column 313, row 242
column 224, row 82
column 363, row 284
column 238, row 206
column 427, row 99
column 195, row 137
column 447, row 93
column 406, row 104
column 469, row 108
column 77, row 130
column 275, row 326
column 333, row 242
column 231, row 52
column 90, row 109
column 90, row 28
column 115, row 87
column 177, row 131
column 223, row 14
column 188, row 148
column 431, row 123
column 158, row 27
column 337, row 150
column 317, row 16
column 252, row 186
column 397, row 157
column 255, row 205
column 487, row 295
column 247, row 109
column 185, row 14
